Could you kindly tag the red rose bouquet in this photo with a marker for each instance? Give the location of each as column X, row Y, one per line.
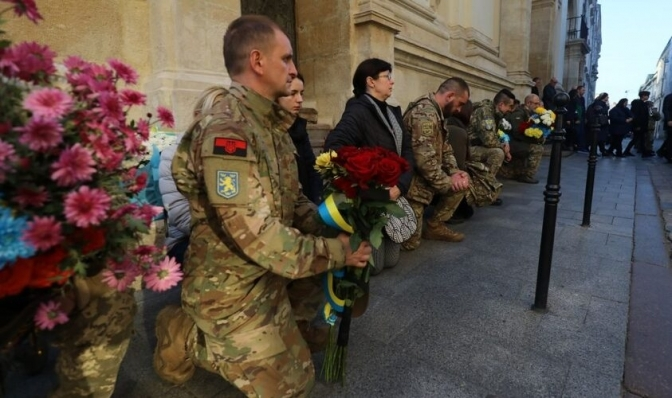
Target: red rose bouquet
column 357, row 201
column 68, row 181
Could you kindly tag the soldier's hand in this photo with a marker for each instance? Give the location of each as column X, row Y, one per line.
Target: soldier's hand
column 358, row 258
column 460, row 181
column 395, row 193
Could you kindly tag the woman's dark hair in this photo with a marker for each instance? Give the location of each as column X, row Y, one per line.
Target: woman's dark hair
column 300, row 77
column 622, row 102
column 464, row 115
column 602, row 96
column 371, row 67
column 573, row 93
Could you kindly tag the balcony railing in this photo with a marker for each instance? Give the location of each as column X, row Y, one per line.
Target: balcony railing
column 577, row 28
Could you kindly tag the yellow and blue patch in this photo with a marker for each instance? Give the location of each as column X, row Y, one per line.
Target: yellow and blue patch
column 228, row 184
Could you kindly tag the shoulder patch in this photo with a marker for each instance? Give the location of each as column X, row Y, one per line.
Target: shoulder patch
column 229, row 146
column 227, row 184
column 488, row 124
column 427, row 128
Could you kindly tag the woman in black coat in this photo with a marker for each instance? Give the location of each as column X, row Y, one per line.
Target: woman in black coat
column 311, row 183
column 598, row 112
column 369, row 121
column 620, row 119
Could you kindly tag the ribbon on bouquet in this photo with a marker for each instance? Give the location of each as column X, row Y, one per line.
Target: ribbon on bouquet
column 330, row 214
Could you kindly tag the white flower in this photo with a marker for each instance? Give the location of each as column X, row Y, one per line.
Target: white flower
column 505, row 125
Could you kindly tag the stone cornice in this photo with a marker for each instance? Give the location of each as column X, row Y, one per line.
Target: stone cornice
column 542, row 4
column 372, row 12
column 416, row 8
column 580, row 43
column 416, row 56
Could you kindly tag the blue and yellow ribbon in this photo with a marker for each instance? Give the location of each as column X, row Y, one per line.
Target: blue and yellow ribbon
column 331, row 216
column 334, row 303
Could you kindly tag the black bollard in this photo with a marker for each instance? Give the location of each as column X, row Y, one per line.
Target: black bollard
column 590, row 180
column 551, row 197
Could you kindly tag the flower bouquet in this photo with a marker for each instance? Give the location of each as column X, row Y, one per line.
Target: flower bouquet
column 356, row 201
column 504, row 126
column 539, row 125
column 68, row 178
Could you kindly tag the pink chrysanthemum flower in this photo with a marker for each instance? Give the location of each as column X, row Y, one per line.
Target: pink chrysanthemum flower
column 110, row 107
column 163, row 275
column 165, row 116
column 74, row 165
column 99, row 78
column 48, row 102
column 75, row 63
column 146, row 213
column 43, row 233
column 49, row 315
column 125, row 72
column 132, row 97
column 27, row 7
column 86, row 207
column 28, row 61
column 27, row 196
column 8, row 159
column 143, row 128
column 41, row 133
column 120, row 275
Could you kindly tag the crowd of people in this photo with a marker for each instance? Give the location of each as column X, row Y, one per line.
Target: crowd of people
column 637, row 121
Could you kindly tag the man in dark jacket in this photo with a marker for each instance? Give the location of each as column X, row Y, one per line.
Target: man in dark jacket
column 640, row 124
column 549, row 94
column 666, row 149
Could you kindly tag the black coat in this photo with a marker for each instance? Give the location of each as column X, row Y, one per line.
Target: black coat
column 548, row 95
column 617, row 121
column 308, row 176
column 361, row 126
column 667, row 111
column 640, row 115
column 598, row 112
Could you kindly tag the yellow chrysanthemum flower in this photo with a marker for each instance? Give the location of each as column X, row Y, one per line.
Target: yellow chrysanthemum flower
column 500, row 133
column 324, row 159
column 534, row 132
column 540, row 111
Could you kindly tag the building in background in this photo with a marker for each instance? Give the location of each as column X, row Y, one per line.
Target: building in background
column 582, row 46
column 659, row 83
column 176, row 44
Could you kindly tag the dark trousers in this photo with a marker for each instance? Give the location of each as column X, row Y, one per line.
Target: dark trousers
column 582, row 140
column 616, row 144
column 178, row 250
column 636, row 141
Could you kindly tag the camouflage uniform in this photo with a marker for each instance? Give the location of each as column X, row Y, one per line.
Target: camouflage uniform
column 249, row 238
column 526, row 152
column 434, row 164
column 93, row 343
column 485, row 145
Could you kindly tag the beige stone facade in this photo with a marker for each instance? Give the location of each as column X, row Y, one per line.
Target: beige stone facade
column 176, row 44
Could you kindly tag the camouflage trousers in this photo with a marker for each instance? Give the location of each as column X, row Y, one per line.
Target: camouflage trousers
column 267, row 356
column 93, row 343
column 648, row 140
column 443, row 211
column 524, row 166
column 491, row 157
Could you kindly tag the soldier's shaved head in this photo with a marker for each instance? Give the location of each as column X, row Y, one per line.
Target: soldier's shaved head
column 454, row 84
column 243, row 35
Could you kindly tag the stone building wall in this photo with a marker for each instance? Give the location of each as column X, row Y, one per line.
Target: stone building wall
column 176, row 44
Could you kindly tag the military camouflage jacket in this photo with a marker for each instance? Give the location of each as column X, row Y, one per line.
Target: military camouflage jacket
column 434, row 159
column 484, row 125
column 237, row 167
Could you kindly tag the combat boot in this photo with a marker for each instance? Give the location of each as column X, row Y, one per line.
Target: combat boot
column 439, row 231
column 172, row 361
column 528, row 180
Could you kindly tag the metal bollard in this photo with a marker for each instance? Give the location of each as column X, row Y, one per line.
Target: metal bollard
column 590, row 180
column 551, row 197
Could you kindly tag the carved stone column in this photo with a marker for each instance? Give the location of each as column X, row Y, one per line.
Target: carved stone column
column 186, row 52
column 542, row 39
column 515, row 44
